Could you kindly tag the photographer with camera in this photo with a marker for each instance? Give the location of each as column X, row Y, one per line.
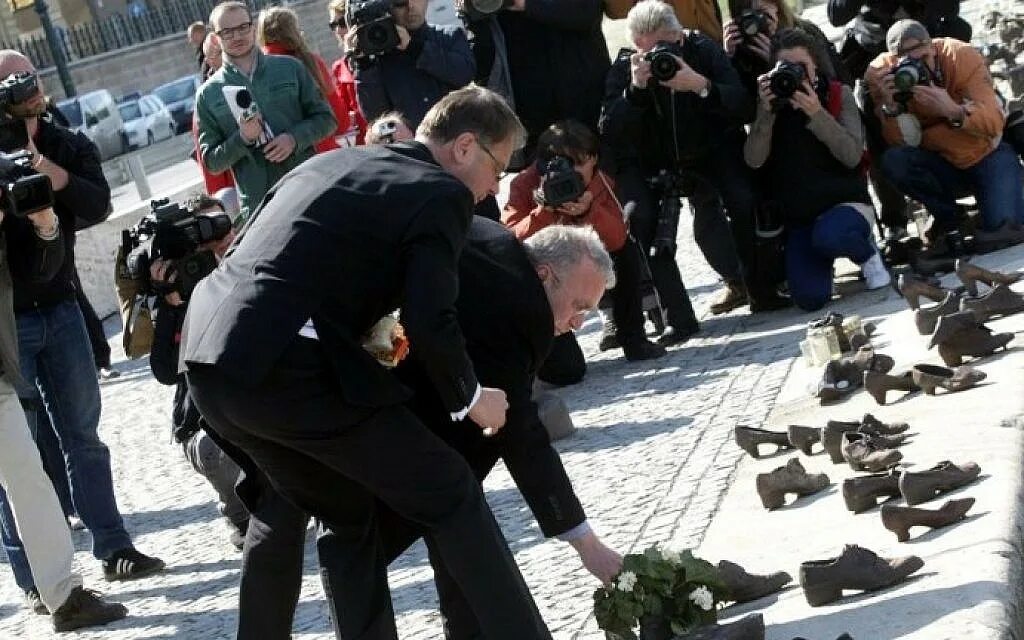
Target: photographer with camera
column 35, row 254
column 944, row 124
column 564, row 186
column 56, row 359
column 808, row 141
column 282, row 111
column 673, row 120
column 401, row 62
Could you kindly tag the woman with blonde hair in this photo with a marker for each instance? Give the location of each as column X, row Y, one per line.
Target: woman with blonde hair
column 278, row 33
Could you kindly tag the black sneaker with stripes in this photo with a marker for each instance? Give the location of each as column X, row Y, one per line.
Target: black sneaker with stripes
column 129, row 564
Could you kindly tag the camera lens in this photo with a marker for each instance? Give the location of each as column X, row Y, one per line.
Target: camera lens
column 906, row 78
column 376, row 35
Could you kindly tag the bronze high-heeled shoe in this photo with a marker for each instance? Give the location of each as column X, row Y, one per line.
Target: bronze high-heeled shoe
column 929, row 376
column 803, row 438
column 879, row 384
column 977, row 341
column 900, row 519
column 971, row 275
column 748, row 439
column 861, row 493
column 925, row 319
column 1000, row 301
column 912, row 289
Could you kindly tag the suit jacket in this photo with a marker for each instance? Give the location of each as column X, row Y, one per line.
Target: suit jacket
column 345, row 238
column 506, row 318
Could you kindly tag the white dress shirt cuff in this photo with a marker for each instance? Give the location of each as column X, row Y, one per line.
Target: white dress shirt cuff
column 459, row 415
column 576, row 532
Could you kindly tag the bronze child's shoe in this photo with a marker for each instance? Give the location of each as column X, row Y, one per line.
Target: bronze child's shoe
column 792, row 478
column 860, row 569
column 748, row 439
column 971, row 275
column 868, row 453
column 744, row 587
column 922, row 486
column 900, row 519
column 861, row 493
column 803, row 438
column 929, row 376
column 912, row 289
column 926, row 319
column 879, row 384
column 1000, row 301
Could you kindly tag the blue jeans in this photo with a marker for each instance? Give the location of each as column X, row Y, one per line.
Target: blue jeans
column 840, row 232
column 925, row 176
column 57, row 358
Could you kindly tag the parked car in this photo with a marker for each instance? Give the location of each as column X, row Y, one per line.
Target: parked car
column 146, row 120
column 95, row 114
column 180, row 98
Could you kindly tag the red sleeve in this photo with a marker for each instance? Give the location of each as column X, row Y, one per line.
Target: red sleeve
column 522, row 214
column 214, row 182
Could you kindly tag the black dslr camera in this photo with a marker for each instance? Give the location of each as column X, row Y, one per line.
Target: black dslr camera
column 376, row 31
column 785, row 80
column 172, row 232
column 560, row 182
column 663, row 65
column 18, row 87
column 752, row 22
column 907, row 74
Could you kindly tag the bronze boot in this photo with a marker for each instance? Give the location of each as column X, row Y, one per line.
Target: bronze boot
column 1000, row 301
column 900, row 519
column 861, row 493
column 922, row 486
column 868, row 453
column 926, row 319
column 978, row 342
column 874, row 426
column 971, row 275
column 748, row 439
column 803, row 438
column 912, row 289
column 950, row 325
column 858, row 569
column 929, row 376
column 744, row 587
column 792, row 478
column 832, row 438
column 879, row 384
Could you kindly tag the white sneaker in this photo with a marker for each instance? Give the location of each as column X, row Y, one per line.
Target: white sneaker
column 876, row 275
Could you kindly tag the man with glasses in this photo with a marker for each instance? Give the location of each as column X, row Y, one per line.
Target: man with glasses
column 945, row 133
column 292, row 112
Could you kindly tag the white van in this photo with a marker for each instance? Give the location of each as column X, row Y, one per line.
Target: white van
column 96, row 115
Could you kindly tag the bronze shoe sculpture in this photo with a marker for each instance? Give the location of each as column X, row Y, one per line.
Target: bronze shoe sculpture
column 860, row 569
column 748, row 439
column 900, row 519
column 748, row 628
column 861, row 493
column 792, row 478
column 869, row 453
column 971, row 275
column 925, row 319
column 977, row 341
column 803, row 438
column 922, row 486
column 880, row 384
column 744, row 587
column 951, row 324
column 929, row 376
column 1000, row 301
column 832, row 438
column 912, row 289
column 874, row 426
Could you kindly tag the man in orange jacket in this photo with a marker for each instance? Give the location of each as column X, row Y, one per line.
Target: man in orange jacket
column 946, row 131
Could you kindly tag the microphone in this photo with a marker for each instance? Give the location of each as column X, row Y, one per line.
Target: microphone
column 249, row 111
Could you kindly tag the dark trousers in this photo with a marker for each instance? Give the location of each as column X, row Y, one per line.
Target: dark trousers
column 893, row 213
column 712, row 235
column 93, row 324
column 840, row 232
column 565, row 363
column 334, row 461
column 627, row 307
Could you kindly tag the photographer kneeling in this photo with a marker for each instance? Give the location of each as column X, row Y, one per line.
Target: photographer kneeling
column 205, row 456
column 809, row 140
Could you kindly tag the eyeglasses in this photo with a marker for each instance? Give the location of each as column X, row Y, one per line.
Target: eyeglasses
column 499, row 169
column 230, row 33
column 337, row 24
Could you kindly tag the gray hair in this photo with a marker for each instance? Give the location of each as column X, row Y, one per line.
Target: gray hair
column 472, row 109
column 563, row 247
column 649, row 16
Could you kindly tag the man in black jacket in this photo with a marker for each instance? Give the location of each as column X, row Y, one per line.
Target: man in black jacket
column 429, row 62
column 275, row 362
column 56, row 359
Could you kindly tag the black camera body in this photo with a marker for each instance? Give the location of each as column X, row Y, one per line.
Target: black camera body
column 752, row 22
column 18, row 87
column 172, row 232
column 662, row 59
column 476, row 10
column 907, row 74
column 671, row 185
column 561, row 183
column 376, row 31
column 785, row 79
column 22, row 189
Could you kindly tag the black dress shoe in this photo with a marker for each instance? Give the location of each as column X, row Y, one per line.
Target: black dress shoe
column 643, row 350
column 770, row 301
column 677, row 335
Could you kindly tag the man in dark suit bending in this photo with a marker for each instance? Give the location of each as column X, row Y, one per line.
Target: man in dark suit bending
column 272, row 349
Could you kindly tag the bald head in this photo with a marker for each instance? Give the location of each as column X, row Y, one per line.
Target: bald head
column 12, row 61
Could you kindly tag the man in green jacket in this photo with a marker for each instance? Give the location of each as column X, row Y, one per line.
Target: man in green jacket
column 288, row 101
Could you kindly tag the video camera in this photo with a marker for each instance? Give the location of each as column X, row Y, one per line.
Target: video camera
column 376, row 31
column 785, row 79
column 662, row 59
column 479, row 9
column 560, row 182
column 172, row 232
column 22, row 189
column 907, row 74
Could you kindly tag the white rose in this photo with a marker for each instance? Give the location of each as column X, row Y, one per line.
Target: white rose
column 702, row 597
column 626, row 581
column 672, row 556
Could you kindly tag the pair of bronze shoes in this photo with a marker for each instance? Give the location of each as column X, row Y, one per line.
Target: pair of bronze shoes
column 924, row 377
column 962, row 334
